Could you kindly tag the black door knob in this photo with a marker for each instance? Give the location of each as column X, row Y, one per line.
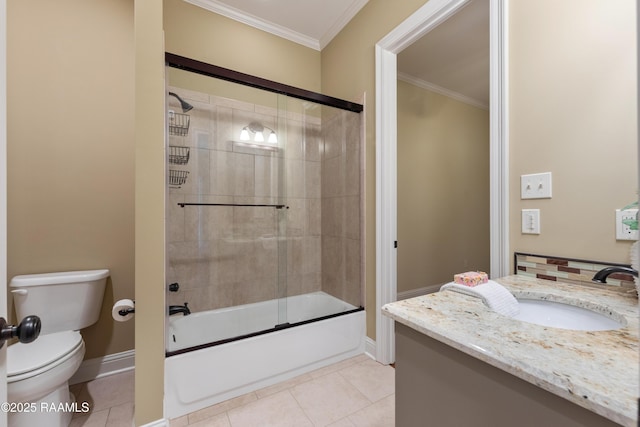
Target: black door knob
column 27, row 331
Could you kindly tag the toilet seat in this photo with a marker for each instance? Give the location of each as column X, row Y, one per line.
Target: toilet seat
column 48, row 351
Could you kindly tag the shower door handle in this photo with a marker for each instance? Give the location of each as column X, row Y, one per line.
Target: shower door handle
column 27, row 331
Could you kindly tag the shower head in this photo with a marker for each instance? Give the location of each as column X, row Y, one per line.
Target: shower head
column 184, row 104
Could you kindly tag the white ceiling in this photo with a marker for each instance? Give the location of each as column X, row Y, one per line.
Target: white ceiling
column 452, row 59
column 312, row 23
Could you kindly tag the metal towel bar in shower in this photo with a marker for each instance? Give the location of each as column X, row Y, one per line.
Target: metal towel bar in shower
column 182, row 205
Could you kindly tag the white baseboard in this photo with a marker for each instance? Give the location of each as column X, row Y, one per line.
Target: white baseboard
column 370, row 348
column 370, row 344
column 418, row 292
column 99, row 367
column 157, row 423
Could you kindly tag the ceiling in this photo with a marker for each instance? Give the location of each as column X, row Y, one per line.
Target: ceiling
column 312, row 23
column 452, row 59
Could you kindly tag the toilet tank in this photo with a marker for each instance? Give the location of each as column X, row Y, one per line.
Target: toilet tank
column 65, row 301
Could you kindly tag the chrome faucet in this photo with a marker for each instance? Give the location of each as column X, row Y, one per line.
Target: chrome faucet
column 175, row 309
column 601, row 276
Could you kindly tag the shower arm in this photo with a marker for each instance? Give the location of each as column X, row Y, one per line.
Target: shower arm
column 183, row 104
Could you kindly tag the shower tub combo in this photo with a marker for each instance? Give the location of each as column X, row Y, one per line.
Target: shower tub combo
column 264, row 234
column 197, row 379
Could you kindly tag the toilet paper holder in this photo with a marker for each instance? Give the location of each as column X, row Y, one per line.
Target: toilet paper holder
column 127, row 311
column 123, row 310
column 130, row 310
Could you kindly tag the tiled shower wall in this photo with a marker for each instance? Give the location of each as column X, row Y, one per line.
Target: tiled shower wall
column 227, row 256
column 341, row 172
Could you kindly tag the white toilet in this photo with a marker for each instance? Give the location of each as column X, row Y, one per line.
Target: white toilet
column 38, row 373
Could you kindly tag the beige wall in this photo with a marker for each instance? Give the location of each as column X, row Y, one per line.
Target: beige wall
column 197, row 33
column 149, row 213
column 443, row 188
column 573, row 112
column 70, row 148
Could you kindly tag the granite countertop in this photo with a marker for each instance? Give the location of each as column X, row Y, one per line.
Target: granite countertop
column 597, row 370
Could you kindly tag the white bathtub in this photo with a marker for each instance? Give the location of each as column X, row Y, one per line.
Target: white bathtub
column 216, row 325
column 200, row 378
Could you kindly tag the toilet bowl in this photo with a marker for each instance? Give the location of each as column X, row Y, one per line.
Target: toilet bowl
column 38, row 373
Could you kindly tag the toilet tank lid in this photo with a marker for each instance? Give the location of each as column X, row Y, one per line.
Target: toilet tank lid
column 58, row 278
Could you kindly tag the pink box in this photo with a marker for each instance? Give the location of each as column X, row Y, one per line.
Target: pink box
column 471, row 278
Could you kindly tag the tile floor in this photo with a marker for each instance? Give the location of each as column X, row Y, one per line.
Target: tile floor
column 352, row 393
column 110, row 399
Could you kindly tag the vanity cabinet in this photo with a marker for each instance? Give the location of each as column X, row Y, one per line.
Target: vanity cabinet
column 437, row 385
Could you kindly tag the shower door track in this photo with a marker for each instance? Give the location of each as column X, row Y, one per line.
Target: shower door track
column 195, row 66
column 182, row 205
column 278, row 327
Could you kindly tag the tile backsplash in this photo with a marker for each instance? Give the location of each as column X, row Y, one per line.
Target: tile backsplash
column 569, row 270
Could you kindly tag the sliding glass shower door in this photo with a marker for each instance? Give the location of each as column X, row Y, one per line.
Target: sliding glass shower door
column 263, row 205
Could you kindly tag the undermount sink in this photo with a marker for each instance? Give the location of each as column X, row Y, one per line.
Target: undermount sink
column 565, row 316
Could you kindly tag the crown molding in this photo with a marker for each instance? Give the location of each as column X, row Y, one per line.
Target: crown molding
column 342, row 22
column 442, row 91
column 220, row 8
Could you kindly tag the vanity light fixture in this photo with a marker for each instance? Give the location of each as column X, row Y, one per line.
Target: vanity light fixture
column 257, row 129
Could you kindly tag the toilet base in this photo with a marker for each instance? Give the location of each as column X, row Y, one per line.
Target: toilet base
column 55, row 410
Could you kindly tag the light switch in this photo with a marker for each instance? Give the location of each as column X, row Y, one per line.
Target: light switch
column 535, row 186
column 530, row 221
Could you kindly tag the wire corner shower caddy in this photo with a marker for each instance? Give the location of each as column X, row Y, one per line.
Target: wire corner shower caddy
column 178, row 124
column 177, row 178
column 178, row 155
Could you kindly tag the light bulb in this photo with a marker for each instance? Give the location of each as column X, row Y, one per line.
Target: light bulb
column 244, row 135
column 273, row 139
column 259, row 137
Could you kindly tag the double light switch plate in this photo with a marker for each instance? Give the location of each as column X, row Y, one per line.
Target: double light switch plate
column 535, row 186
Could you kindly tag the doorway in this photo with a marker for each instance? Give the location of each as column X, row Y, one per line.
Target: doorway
column 413, row 28
column 443, row 153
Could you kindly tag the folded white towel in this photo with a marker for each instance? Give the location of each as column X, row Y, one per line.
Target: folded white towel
column 494, row 295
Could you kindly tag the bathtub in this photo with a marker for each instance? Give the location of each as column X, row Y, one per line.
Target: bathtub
column 198, row 375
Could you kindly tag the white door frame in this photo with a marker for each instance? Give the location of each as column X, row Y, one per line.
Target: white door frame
column 3, row 198
column 417, row 25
